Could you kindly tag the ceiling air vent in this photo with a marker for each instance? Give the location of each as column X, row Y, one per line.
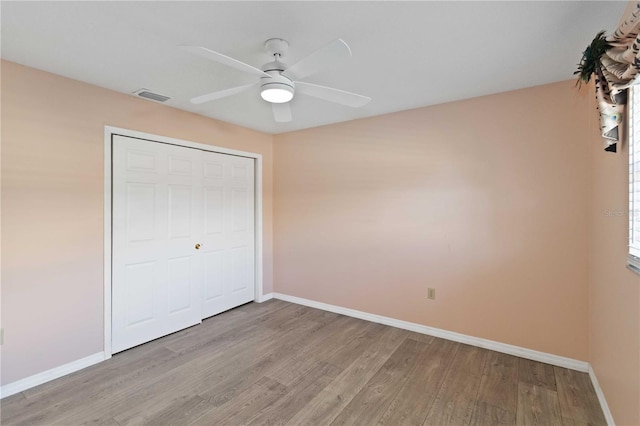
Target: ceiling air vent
column 144, row 93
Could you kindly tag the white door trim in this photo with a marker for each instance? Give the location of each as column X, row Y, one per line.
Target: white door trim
column 108, row 132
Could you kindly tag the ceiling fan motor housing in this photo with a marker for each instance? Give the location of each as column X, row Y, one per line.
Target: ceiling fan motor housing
column 277, row 88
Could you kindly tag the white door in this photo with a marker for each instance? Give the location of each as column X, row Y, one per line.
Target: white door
column 157, row 217
column 228, row 246
column 183, row 238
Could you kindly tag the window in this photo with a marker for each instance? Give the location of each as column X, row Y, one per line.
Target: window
column 634, row 177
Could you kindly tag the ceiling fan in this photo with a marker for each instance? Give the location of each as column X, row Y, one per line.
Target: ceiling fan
column 278, row 84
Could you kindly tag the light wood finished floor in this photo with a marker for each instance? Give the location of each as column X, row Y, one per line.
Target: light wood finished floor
column 280, row 363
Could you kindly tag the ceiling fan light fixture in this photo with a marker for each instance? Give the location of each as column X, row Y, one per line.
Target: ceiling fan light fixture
column 276, row 93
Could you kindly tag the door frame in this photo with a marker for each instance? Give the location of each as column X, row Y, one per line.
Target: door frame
column 109, row 132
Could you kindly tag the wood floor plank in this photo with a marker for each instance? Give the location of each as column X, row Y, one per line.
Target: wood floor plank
column 229, row 382
column 326, row 406
column 537, row 406
column 577, row 397
column 372, row 401
column 237, row 411
column 303, row 390
column 179, row 411
column 183, row 370
column 58, row 400
column 337, row 333
column 13, row 399
column 499, row 385
column 566, row 421
column 456, row 398
column 360, row 340
column 101, row 422
column 421, row 337
column 536, row 373
column 498, row 393
column 221, row 325
column 185, row 366
column 470, row 360
column 217, row 379
column 137, row 360
column 411, row 405
column 447, row 410
column 321, row 316
column 485, row 414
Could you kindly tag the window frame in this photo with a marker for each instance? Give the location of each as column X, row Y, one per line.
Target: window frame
column 633, row 252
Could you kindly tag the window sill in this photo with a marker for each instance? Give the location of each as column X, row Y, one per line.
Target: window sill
column 633, row 268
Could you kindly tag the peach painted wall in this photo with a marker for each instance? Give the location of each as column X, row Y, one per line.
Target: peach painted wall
column 52, row 208
column 483, row 199
column 614, row 290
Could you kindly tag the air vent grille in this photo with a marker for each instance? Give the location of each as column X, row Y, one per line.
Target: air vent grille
column 144, row 93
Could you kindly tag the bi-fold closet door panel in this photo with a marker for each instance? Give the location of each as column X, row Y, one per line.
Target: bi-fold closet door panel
column 166, row 200
column 229, row 236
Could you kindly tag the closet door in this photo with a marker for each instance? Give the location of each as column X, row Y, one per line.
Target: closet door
column 157, row 222
column 229, row 236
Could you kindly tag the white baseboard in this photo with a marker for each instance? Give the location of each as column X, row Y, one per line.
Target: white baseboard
column 265, row 297
column 603, row 402
column 46, row 376
column 547, row 358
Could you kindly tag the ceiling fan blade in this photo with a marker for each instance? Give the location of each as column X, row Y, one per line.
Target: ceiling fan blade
column 332, row 95
column 222, row 93
column 223, row 59
column 282, row 112
column 323, row 58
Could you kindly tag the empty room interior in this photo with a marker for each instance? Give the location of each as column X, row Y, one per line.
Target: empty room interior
column 320, row 213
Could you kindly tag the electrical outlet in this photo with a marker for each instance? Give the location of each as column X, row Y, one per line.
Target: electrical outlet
column 431, row 293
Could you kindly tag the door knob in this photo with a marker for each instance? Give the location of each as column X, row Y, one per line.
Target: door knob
column 198, row 246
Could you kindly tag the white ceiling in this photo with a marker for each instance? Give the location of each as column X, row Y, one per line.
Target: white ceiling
column 405, row 54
